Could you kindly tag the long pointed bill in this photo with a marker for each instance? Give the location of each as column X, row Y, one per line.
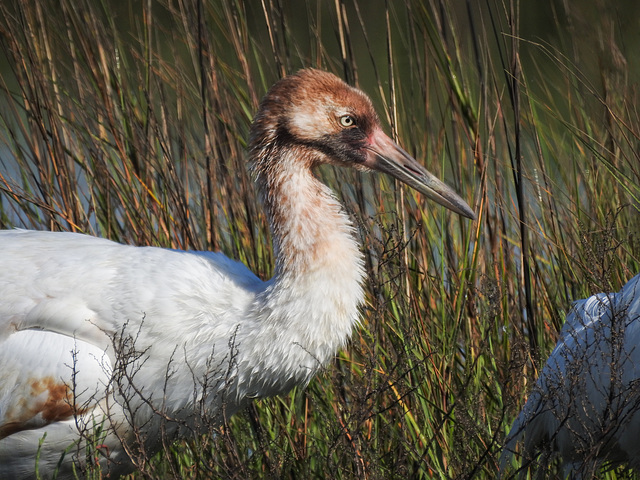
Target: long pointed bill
column 387, row 156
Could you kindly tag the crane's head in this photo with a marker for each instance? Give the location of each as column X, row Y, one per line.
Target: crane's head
column 332, row 122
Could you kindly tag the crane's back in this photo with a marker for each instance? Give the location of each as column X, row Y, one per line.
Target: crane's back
column 90, row 329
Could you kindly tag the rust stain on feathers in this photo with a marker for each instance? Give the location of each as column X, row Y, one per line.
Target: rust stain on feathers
column 48, row 400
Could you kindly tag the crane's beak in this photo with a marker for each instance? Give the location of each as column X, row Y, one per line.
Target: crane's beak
column 387, row 156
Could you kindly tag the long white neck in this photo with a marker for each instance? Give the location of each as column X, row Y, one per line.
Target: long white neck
column 311, row 304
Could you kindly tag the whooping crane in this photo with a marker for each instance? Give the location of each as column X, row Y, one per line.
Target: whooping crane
column 585, row 406
column 97, row 333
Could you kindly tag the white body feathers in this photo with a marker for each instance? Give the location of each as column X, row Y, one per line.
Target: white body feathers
column 585, row 407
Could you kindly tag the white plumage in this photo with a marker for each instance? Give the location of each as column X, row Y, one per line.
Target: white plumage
column 585, row 406
column 139, row 339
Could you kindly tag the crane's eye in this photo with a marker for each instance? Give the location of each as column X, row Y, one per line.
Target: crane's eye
column 347, row 121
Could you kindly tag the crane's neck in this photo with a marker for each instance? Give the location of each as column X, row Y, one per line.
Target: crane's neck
column 314, row 297
column 310, row 229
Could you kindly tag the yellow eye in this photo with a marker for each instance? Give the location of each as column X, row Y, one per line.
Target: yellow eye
column 347, row 121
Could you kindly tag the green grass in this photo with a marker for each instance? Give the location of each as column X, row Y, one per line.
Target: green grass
column 129, row 120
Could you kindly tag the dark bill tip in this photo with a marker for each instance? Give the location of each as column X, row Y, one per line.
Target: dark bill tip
column 387, row 156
